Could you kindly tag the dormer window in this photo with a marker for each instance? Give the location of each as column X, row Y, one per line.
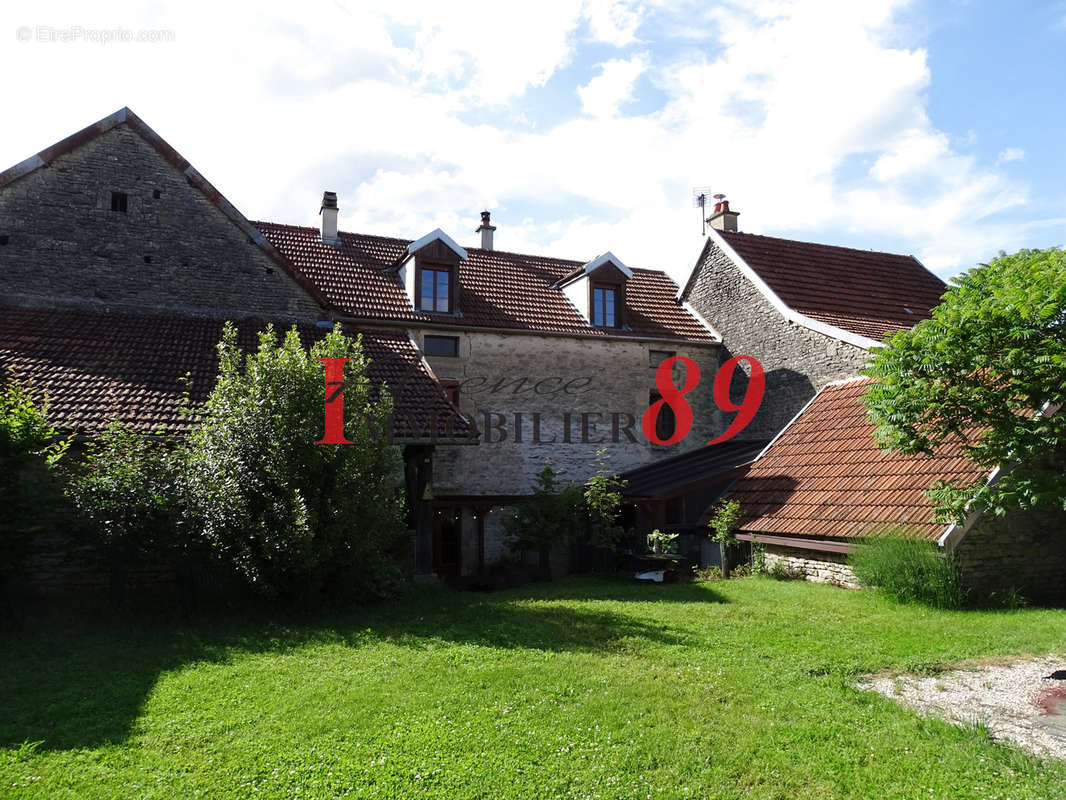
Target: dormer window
column 434, row 288
column 430, row 273
column 605, row 305
column 598, row 291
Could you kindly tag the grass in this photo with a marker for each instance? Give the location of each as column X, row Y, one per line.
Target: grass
column 576, row 689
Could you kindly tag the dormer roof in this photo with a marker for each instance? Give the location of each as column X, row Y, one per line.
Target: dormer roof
column 437, row 235
column 607, row 259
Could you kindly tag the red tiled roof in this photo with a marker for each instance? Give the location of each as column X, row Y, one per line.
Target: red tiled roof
column 497, row 289
column 826, row 477
column 861, row 291
column 96, row 367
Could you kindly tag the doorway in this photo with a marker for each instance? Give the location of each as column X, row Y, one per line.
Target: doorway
column 447, row 539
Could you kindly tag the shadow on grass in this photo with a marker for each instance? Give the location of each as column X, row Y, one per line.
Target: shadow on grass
column 81, row 684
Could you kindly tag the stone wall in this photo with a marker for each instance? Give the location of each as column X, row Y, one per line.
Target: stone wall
column 813, row 565
column 1024, row 550
column 602, row 384
column 172, row 250
column 797, row 360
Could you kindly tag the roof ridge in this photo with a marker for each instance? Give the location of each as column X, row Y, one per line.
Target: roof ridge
column 821, row 244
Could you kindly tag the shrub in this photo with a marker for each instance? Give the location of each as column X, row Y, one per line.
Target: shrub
column 127, row 491
column 29, row 448
column 603, row 499
column 664, row 543
column 297, row 520
column 713, row 573
column 908, row 569
column 549, row 516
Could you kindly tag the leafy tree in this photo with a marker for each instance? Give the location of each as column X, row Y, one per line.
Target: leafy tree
column 30, row 447
column 724, row 524
column 603, row 500
column 303, row 521
column 989, row 368
column 128, row 491
column 551, row 515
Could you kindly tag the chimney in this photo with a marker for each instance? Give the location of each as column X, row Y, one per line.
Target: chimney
column 723, row 219
column 329, row 213
column 486, row 231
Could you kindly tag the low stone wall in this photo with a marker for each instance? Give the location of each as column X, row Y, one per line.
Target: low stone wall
column 813, row 565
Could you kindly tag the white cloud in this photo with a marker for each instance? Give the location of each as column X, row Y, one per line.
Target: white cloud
column 811, row 115
column 602, row 96
column 614, row 21
column 1010, row 154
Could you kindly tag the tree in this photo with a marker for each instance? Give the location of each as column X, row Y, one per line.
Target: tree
column 30, row 447
column 128, row 491
column 987, row 369
column 302, row 521
column 603, row 500
column 724, row 524
column 546, row 518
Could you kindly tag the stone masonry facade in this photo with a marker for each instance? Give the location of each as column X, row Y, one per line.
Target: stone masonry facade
column 797, row 360
column 171, row 250
column 1025, row 550
column 517, row 382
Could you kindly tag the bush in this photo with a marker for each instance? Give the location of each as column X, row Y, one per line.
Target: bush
column 301, row 521
column 127, row 490
column 549, row 516
column 908, row 569
column 29, row 448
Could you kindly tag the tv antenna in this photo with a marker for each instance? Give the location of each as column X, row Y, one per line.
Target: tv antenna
column 699, row 200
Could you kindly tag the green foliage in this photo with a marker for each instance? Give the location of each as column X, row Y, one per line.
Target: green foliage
column 724, row 522
column 983, row 368
column 603, row 499
column 758, row 559
column 299, row 520
column 781, row 572
column 128, row 490
column 712, row 573
column 552, row 514
column 659, row 542
column 908, row 569
column 30, row 447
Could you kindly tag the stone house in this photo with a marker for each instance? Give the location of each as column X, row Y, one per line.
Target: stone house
column 119, row 262
column 810, row 313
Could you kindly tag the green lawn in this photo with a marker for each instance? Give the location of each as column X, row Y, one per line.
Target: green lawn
column 574, row 689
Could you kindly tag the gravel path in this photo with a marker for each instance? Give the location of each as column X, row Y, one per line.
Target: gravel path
column 1023, row 701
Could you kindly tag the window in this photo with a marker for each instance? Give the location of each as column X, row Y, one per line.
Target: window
column 435, row 289
column 666, row 421
column 657, row 357
column 603, row 306
column 119, row 201
column 441, row 346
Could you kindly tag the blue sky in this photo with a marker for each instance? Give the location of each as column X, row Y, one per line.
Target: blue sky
column 918, row 127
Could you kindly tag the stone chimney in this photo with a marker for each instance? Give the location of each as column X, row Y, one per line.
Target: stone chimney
column 485, row 230
column 329, row 211
column 723, row 219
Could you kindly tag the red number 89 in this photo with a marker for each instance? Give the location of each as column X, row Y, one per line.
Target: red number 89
column 675, row 398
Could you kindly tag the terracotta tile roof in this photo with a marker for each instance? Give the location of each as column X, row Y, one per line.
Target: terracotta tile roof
column 826, row 477
column 861, row 291
column 97, row 366
column 497, row 289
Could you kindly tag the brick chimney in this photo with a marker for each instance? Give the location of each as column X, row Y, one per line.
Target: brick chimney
column 485, row 229
column 329, row 211
column 723, row 219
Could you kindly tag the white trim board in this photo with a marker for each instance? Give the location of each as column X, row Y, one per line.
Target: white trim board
column 437, row 235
